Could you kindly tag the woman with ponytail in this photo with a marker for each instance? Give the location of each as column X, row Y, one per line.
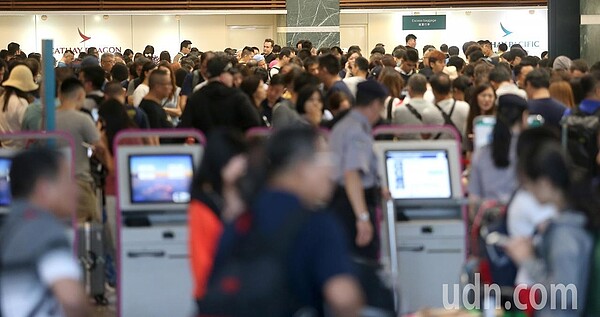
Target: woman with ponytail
column 493, row 174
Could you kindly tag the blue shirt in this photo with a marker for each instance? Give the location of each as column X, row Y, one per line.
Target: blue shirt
column 318, row 253
column 587, row 106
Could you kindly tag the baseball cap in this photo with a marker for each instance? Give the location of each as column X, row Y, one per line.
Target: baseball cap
column 511, row 100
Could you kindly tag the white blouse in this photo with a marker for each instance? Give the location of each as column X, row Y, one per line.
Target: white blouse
column 11, row 119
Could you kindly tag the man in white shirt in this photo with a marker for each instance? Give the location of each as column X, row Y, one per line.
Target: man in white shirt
column 501, row 81
column 456, row 111
column 418, row 111
column 184, row 49
column 360, row 70
column 282, row 60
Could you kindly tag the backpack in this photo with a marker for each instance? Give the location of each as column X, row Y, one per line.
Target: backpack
column 592, row 304
column 580, row 139
column 448, row 118
column 420, row 117
column 492, row 217
column 252, row 279
column 414, row 111
column 97, row 99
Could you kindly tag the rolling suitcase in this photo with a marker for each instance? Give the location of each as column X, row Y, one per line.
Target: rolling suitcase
column 91, row 256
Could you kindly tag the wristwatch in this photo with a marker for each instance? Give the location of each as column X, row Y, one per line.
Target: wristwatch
column 363, row 216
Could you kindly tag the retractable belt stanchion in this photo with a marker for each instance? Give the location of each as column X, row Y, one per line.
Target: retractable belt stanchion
column 263, row 132
column 260, row 132
column 412, row 129
column 153, row 276
column 391, row 229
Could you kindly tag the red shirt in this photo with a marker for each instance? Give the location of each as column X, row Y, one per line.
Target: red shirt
column 205, row 230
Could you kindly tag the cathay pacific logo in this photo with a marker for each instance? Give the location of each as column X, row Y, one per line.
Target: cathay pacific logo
column 506, row 32
column 83, row 36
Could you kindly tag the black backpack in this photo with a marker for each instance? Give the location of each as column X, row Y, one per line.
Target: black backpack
column 448, row 118
column 97, row 99
column 252, row 279
column 580, row 139
column 502, row 267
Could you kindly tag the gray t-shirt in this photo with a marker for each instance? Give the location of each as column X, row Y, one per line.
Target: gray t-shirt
column 35, row 254
column 284, row 115
column 430, row 115
column 82, row 128
column 490, row 182
column 352, row 145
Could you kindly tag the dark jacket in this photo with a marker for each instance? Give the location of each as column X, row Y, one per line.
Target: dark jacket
column 217, row 105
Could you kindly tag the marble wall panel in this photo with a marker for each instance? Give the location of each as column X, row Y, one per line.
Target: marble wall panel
column 590, row 7
column 319, row 39
column 313, row 13
column 590, row 46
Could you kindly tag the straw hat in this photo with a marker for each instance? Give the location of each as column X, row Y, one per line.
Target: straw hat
column 21, row 78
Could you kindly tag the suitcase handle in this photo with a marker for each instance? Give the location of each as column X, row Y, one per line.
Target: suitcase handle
column 146, row 254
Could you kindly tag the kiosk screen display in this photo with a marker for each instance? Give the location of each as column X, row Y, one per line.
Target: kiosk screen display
column 422, row 174
column 158, row 178
column 4, row 181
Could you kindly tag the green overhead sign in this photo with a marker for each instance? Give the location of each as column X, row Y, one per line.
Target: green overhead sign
column 424, row 22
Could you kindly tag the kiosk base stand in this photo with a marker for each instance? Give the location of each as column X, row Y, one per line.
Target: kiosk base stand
column 430, row 260
column 155, row 270
column 426, row 257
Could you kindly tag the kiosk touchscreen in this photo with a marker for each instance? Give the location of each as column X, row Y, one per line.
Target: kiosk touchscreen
column 421, row 174
column 156, row 179
column 418, row 174
column 160, row 178
column 5, row 198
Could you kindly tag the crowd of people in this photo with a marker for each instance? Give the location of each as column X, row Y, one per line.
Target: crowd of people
column 330, row 178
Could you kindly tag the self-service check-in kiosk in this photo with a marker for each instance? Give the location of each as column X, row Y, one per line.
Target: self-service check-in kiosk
column 153, row 258
column 426, row 243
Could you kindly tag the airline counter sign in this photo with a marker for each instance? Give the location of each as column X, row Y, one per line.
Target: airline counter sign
column 85, row 38
column 525, row 43
column 424, row 22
